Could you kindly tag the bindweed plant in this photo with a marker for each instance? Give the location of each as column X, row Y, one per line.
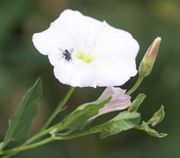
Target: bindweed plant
column 85, row 53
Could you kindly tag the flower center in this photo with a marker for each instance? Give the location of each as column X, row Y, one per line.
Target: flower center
column 87, row 58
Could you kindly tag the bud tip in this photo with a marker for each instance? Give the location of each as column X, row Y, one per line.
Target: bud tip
column 158, row 39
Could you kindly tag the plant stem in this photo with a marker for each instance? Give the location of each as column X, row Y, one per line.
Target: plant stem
column 59, row 108
column 136, row 85
column 45, row 131
column 39, row 135
column 34, row 138
column 81, row 134
column 14, row 151
column 27, row 147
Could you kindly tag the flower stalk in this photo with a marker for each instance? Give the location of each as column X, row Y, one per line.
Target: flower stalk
column 59, row 108
column 136, row 85
column 147, row 63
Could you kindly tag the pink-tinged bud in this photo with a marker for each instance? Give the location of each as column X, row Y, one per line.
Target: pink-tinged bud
column 119, row 100
column 149, row 58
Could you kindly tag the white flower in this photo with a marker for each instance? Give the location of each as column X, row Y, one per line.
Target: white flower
column 86, row 52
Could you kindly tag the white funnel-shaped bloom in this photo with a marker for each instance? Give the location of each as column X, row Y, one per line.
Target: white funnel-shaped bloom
column 86, row 52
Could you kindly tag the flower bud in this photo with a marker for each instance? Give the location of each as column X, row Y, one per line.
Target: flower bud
column 149, row 58
column 120, row 100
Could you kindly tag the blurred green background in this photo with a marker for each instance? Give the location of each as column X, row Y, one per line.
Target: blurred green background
column 20, row 65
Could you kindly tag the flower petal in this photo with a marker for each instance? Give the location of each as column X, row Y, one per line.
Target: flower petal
column 51, row 41
column 84, row 77
column 116, row 41
column 83, row 30
column 119, row 100
column 76, row 74
column 114, row 70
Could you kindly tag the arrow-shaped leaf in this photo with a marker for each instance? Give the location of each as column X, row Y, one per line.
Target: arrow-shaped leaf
column 123, row 121
column 20, row 122
column 79, row 117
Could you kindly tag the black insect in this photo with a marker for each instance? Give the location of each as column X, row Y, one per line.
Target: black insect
column 67, row 54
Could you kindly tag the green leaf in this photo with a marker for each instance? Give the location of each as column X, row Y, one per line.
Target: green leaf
column 144, row 127
column 123, row 121
column 79, row 117
column 20, row 122
column 1, row 146
column 157, row 117
column 137, row 102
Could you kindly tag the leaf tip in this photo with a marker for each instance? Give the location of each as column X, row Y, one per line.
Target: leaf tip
column 39, row 84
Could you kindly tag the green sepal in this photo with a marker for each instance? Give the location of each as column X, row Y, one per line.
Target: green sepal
column 157, row 117
column 145, row 127
column 137, row 102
